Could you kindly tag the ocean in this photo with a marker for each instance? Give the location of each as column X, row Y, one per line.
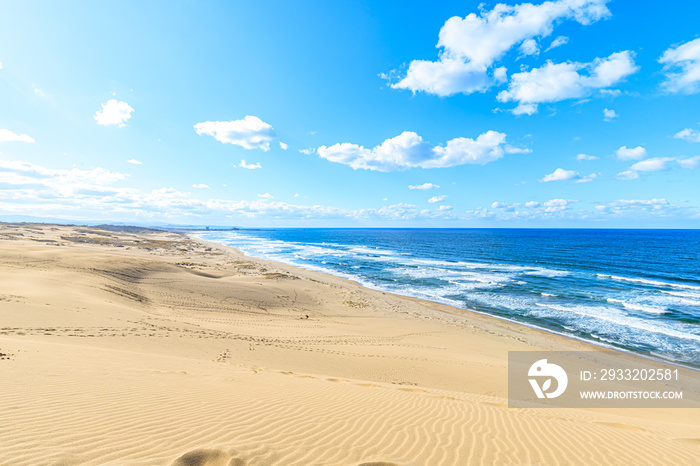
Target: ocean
column 637, row 290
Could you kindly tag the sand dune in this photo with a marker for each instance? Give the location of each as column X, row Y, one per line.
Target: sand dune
column 140, row 347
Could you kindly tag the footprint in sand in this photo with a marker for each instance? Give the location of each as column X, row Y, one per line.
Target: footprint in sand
column 337, row 380
column 378, row 463
column 690, row 440
column 497, row 405
column 208, row 457
column 622, row 426
column 412, row 390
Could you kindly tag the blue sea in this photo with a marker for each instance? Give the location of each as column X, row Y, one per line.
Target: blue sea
column 637, row 290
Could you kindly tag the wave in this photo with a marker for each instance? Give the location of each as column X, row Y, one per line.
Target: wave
column 623, row 321
column 548, row 273
column 648, row 282
column 639, row 307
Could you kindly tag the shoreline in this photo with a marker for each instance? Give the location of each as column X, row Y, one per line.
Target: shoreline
column 145, row 347
column 193, row 235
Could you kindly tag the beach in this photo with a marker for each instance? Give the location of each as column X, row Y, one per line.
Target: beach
column 136, row 346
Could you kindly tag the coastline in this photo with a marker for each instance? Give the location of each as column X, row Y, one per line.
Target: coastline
column 233, row 369
column 454, row 308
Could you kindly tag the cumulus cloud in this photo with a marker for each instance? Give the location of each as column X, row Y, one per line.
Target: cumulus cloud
column 424, row 186
column 635, row 153
column 556, row 82
column 556, row 205
column 27, row 180
column 657, row 164
column 688, row 134
column 249, row 166
column 250, row 132
column 529, row 47
column 114, row 112
column 682, row 68
column 200, row 186
column 435, row 199
column 408, row 150
column 559, row 41
column 470, row 45
column 586, row 157
column 691, row 162
column 587, row 178
column 560, row 175
column 307, row 151
column 652, row 165
column 265, row 196
column 9, row 136
column 91, row 194
column 651, row 206
column 628, row 175
column 134, row 162
column 284, row 146
column 608, row 114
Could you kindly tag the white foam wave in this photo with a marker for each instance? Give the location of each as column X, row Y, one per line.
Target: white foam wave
column 548, row 273
column 649, row 282
column 639, row 307
column 614, row 317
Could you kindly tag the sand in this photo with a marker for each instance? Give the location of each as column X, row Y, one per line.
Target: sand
column 143, row 347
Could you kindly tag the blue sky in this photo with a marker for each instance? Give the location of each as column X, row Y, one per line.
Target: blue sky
column 567, row 113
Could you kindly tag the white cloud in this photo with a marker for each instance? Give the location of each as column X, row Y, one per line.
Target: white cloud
column 652, row 165
column 556, row 205
column 636, row 153
column 424, row 186
column 30, row 181
column 284, row 146
column 555, row 82
column 250, row 132
column 691, row 162
column 307, row 151
column 628, row 175
column 624, row 204
column 114, row 112
column 470, row 45
column 408, row 150
column 682, row 67
column 608, row 114
column 688, row 134
column 249, row 166
column 265, row 196
column 559, row 41
column 9, row 136
column 587, row 178
column 529, row 47
column 444, row 208
column 532, row 204
column 500, row 75
column 134, row 162
column 296, row 195
column 435, row 199
column 612, row 93
column 560, row 175
column 586, row 157
column 200, row 186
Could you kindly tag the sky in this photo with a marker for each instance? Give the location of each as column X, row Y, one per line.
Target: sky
column 556, row 114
